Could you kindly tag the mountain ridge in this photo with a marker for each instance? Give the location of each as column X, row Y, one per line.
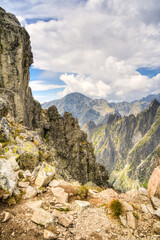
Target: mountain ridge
column 122, row 144
column 97, row 110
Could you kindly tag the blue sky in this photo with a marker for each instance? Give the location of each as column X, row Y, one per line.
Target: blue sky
column 101, row 48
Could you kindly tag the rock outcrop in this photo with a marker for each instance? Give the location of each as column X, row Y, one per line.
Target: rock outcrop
column 128, row 146
column 15, row 60
column 55, row 139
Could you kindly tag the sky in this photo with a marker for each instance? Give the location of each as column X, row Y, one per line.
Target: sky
column 101, row 48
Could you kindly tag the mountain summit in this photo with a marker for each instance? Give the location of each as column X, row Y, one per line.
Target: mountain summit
column 82, row 107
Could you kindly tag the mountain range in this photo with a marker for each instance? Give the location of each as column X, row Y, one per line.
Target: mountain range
column 128, row 147
column 97, row 110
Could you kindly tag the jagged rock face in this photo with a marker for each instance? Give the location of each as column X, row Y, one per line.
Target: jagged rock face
column 15, row 60
column 128, row 146
column 75, row 154
column 67, row 145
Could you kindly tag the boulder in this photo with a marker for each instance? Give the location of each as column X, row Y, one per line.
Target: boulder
column 144, row 208
column 66, row 221
column 131, row 220
column 42, row 217
column 126, row 206
column 30, row 192
column 123, row 220
column 154, row 183
column 82, row 205
column 108, row 194
column 49, row 235
column 12, row 158
column 54, row 183
column 156, row 227
column 45, row 175
column 60, row 194
column 23, row 184
column 157, row 212
column 8, row 178
column 28, row 155
column 156, row 202
column 6, row 215
column 143, row 191
column 34, row 204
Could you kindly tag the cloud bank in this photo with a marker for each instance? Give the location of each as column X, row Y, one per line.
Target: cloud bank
column 99, row 44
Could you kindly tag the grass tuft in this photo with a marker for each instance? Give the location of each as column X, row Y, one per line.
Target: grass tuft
column 116, row 208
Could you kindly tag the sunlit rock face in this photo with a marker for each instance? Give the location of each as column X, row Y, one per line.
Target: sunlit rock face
column 128, row 146
column 15, row 60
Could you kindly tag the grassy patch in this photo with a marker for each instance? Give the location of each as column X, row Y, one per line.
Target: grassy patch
column 116, row 207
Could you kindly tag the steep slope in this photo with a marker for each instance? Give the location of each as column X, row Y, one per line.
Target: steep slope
column 15, row 60
column 66, row 142
column 83, row 108
column 127, row 146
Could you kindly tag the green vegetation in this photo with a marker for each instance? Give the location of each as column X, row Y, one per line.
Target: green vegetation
column 67, row 209
column 116, row 208
column 81, row 192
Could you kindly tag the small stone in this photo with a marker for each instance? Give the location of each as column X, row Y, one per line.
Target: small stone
column 54, row 183
column 7, row 216
column 126, row 206
column 157, row 212
column 156, row 227
column 108, row 194
column 150, row 208
column 131, row 220
column 60, row 194
column 65, row 221
column 30, row 193
column 123, row 221
column 34, row 204
column 23, row 184
column 27, row 174
column 49, row 235
column 144, row 208
column 143, row 191
column 42, row 217
column 45, row 175
column 82, row 205
column 156, row 202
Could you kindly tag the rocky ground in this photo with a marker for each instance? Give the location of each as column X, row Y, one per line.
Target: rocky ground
column 63, row 210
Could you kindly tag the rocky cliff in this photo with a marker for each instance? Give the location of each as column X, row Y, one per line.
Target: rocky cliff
column 128, row 146
column 15, row 60
column 60, row 139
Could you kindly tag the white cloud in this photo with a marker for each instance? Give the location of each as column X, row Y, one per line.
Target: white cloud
column 103, row 41
column 42, row 86
column 115, row 81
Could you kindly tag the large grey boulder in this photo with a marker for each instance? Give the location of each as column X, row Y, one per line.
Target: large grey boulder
column 28, row 155
column 45, row 175
column 8, row 178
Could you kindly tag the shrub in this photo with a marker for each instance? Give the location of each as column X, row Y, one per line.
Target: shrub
column 116, row 208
